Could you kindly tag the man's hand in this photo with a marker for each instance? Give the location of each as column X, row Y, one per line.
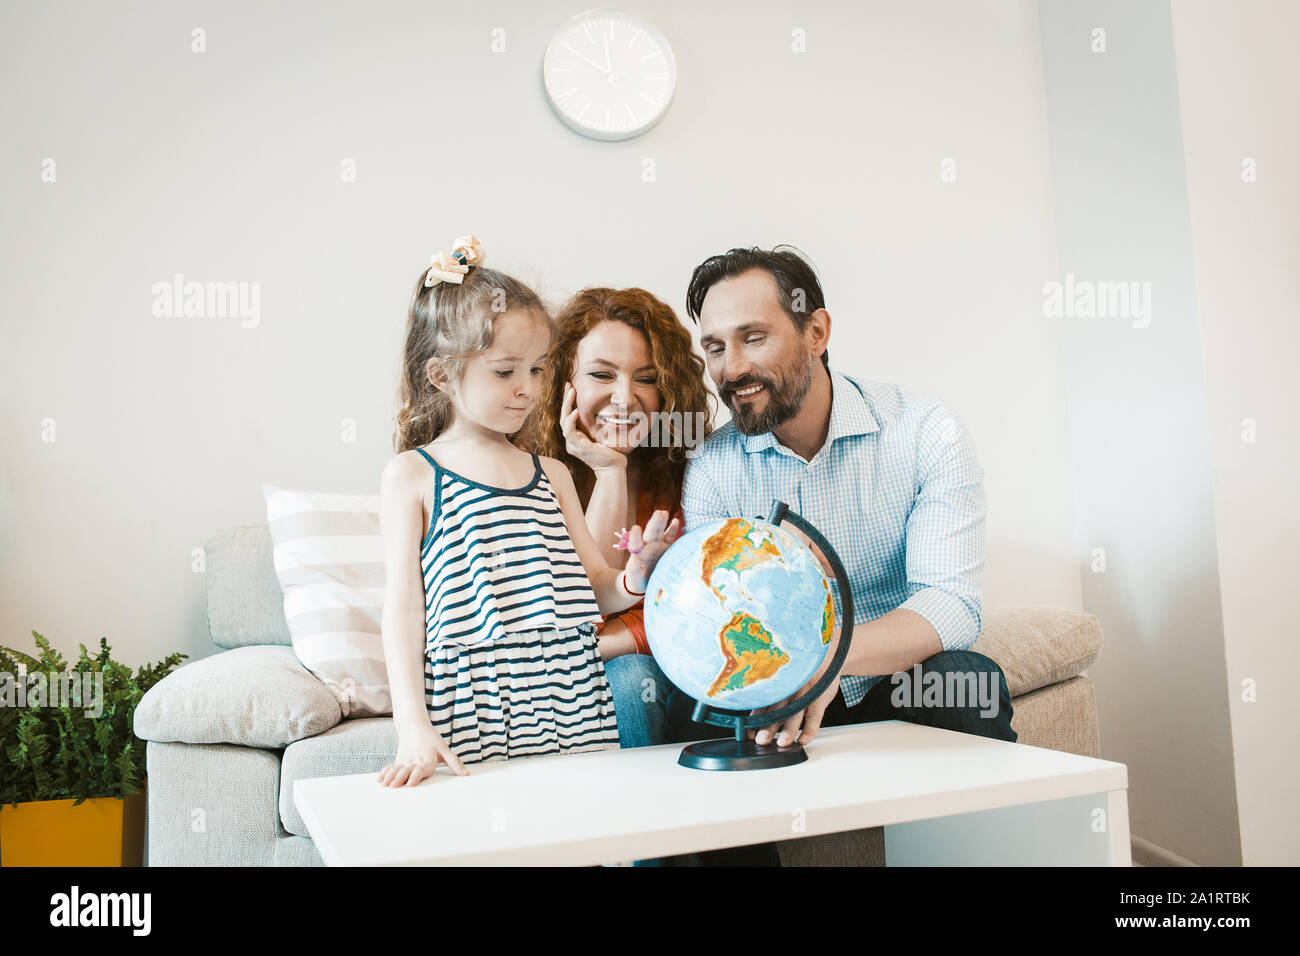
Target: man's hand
column 810, row 719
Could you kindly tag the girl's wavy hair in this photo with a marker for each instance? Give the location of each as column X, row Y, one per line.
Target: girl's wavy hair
column 680, row 382
column 453, row 323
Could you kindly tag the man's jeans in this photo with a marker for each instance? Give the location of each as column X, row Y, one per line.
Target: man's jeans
column 652, row 710
column 888, row 700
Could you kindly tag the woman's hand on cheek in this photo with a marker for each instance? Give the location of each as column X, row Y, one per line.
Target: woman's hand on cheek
column 593, row 454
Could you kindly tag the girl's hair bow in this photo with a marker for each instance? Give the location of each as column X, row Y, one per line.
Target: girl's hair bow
column 443, row 267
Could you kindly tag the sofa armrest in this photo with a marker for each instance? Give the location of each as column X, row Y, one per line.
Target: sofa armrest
column 256, row 696
column 1039, row 646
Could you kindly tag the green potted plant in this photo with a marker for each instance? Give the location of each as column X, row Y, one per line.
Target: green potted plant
column 72, row 771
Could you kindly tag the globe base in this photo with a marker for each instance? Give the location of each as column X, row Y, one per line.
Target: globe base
column 739, row 755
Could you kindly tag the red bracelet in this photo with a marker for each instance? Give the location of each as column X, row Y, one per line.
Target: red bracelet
column 623, row 580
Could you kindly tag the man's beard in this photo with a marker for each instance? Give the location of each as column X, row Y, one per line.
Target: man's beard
column 783, row 401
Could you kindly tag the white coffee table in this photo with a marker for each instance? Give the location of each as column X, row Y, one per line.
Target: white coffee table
column 944, row 798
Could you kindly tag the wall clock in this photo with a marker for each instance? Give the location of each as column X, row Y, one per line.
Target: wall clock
column 609, row 75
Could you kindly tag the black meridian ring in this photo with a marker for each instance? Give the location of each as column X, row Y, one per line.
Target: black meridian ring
column 743, row 719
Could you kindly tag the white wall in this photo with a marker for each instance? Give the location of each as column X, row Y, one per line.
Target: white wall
column 1239, row 86
column 226, row 166
column 1141, row 452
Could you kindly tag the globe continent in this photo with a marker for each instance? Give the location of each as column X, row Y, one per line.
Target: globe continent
column 739, row 614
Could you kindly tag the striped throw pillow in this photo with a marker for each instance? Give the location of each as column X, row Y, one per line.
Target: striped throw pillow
column 329, row 557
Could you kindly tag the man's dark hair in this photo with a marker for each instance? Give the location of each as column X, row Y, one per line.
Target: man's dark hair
column 786, row 264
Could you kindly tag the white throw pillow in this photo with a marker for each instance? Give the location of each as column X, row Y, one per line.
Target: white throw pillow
column 329, row 557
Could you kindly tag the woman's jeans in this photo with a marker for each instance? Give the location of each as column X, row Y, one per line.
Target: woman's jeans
column 649, row 707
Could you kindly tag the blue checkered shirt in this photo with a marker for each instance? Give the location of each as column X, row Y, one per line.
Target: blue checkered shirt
column 897, row 490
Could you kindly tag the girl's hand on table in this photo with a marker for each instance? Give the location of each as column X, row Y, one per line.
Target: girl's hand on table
column 418, row 757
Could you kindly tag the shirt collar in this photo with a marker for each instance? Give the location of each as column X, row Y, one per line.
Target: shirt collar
column 850, row 415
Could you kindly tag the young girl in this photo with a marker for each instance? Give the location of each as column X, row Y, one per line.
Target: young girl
column 493, row 583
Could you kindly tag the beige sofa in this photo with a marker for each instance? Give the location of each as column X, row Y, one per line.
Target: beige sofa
column 230, row 733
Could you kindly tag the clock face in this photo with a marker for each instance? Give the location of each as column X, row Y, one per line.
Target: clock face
column 609, row 75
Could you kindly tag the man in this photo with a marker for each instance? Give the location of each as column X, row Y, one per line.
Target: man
column 888, row 477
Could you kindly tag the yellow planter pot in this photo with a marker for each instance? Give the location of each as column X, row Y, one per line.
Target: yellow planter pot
column 105, row 831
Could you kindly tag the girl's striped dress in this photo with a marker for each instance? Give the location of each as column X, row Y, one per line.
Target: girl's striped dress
column 511, row 661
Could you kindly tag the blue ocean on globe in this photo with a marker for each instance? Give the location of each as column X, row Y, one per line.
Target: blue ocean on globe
column 739, row 614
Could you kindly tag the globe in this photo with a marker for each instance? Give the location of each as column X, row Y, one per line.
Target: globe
column 739, row 614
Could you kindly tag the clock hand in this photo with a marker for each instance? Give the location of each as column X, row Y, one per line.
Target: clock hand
column 609, row 64
column 584, row 59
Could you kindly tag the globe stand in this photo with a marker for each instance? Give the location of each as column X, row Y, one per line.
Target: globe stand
column 740, row 753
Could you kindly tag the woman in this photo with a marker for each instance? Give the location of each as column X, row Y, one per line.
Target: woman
column 624, row 401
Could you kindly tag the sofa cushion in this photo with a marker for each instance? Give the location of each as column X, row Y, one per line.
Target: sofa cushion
column 244, row 601
column 251, row 696
column 364, row 745
column 1038, row 647
column 1060, row 717
column 329, row 558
